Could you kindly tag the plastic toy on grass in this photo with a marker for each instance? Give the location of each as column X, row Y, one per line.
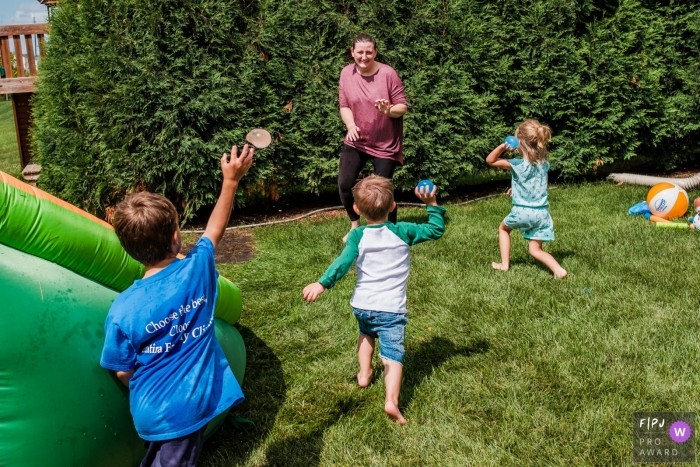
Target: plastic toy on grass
column 512, row 143
column 639, row 208
column 653, row 218
column 695, row 220
column 60, row 270
column 427, row 184
column 671, row 225
column 667, row 200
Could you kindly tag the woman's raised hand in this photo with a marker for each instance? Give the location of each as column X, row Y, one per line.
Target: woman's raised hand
column 353, row 133
column 383, row 106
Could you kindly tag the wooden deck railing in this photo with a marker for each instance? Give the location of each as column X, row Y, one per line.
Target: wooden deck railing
column 26, row 72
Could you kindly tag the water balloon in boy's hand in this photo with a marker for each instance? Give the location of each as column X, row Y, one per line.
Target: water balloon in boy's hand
column 511, row 142
column 428, row 186
column 259, row 138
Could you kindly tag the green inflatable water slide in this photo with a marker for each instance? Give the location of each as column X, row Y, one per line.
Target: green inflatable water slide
column 60, row 270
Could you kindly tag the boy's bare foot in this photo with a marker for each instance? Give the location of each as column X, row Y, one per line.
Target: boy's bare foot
column 363, row 381
column 560, row 274
column 499, row 266
column 394, row 413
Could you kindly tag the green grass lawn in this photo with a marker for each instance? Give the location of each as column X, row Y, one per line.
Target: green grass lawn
column 9, row 152
column 501, row 369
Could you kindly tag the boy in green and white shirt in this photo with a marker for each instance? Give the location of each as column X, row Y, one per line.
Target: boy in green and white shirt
column 380, row 251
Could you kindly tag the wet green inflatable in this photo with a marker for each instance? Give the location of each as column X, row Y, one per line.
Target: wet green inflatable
column 60, row 270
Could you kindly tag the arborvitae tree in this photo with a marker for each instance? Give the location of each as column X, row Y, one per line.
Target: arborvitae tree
column 147, row 94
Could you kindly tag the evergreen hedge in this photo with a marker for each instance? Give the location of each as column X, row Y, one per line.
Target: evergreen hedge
column 148, row 93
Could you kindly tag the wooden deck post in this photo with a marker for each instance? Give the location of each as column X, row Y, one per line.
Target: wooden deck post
column 22, row 109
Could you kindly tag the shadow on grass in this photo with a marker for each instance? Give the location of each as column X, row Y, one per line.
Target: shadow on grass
column 265, row 390
column 421, row 363
column 305, row 450
column 527, row 259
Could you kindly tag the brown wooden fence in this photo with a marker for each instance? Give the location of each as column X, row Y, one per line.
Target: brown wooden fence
column 24, row 37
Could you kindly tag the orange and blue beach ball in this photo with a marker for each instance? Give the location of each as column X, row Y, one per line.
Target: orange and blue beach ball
column 667, row 200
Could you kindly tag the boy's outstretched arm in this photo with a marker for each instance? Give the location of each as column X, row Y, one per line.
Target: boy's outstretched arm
column 233, row 169
column 493, row 158
column 413, row 234
column 312, row 291
column 337, row 269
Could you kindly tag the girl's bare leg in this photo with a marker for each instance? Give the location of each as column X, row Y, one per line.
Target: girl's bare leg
column 545, row 258
column 504, row 246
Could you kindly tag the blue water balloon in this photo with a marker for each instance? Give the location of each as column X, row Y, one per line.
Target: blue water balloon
column 511, row 142
column 426, row 183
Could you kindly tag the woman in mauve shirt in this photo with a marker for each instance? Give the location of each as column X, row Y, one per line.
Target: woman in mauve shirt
column 372, row 105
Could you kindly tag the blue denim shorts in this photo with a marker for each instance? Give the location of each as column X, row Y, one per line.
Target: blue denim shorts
column 389, row 328
column 534, row 223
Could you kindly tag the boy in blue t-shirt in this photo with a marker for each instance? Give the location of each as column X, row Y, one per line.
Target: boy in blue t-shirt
column 160, row 331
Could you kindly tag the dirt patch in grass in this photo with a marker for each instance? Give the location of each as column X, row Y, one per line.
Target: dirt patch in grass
column 235, row 248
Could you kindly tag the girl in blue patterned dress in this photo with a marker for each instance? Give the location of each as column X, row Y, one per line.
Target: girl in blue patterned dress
column 530, row 212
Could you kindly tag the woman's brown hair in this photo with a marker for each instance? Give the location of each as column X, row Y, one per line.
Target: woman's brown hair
column 364, row 37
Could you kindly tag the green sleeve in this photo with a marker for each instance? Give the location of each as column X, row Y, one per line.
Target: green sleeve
column 417, row 233
column 344, row 262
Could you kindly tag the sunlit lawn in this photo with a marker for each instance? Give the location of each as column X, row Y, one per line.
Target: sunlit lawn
column 9, row 153
column 501, row 368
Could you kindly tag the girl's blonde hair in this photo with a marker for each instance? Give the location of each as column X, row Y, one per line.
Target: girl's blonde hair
column 533, row 137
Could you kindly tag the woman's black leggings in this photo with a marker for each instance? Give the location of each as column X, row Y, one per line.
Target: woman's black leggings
column 351, row 163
